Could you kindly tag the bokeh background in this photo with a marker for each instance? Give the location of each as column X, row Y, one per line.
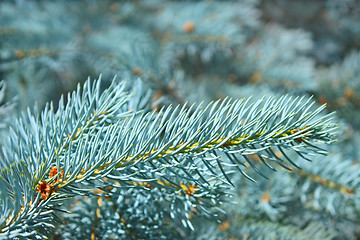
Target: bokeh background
column 193, row 51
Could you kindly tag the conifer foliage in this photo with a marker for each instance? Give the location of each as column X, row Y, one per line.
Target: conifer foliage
column 218, row 123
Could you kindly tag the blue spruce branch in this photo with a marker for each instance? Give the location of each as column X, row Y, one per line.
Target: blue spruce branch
column 100, row 140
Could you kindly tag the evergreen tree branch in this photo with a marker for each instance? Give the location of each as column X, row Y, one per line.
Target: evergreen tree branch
column 95, row 140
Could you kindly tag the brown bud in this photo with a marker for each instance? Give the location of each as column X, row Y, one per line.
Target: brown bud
column 348, row 93
column 255, row 78
column 188, row 27
column 137, row 71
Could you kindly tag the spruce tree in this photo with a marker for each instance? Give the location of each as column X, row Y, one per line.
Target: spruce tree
column 199, row 119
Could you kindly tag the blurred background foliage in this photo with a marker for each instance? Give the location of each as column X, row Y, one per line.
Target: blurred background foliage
column 202, row 51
